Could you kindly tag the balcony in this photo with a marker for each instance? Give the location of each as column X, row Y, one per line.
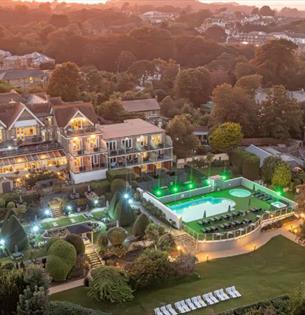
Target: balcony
column 29, row 140
column 84, row 169
column 79, row 132
column 95, row 150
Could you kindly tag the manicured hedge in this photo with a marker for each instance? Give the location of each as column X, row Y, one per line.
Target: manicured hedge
column 125, row 173
column 100, row 187
column 57, row 269
column 246, row 164
column 77, row 242
column 65, row 251
column 140, row 225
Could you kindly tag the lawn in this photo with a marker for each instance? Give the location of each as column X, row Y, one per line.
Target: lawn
column 273, row 270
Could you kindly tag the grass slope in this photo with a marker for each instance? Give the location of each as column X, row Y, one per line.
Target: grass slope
column 275, row 269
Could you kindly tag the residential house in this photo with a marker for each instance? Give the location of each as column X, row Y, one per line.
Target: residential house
column 137, row 144
column 149, row 108
column 25, row 79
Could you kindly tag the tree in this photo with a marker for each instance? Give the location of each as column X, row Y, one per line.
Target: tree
column 235, row 105
column 153, row 232
column 36, row 276
column 251, row 167
column 281, row 176
column 266, row 11
column 142, row 70
column 116, row 236
column 149, row 269
column 194, row 84
column 244, row 68
column 276, row 61
column 166, row 242
column 281, row 116
column 65, row 82
column 297, row 301
column 111, row 110
column 14, row 234
column 77, row 242
column 11, row 286
column 216, row 33
column 125, row 60
column 269, row 165
column 140, row 225
column 109, row 284
column 250, row 83
column 181, row 131
column 33, row 301
column 226, row 137
column 59, row 20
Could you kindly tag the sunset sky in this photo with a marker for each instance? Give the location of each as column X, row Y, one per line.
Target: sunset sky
column 300, row 4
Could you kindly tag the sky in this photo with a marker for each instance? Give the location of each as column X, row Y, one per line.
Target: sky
column 277, row 4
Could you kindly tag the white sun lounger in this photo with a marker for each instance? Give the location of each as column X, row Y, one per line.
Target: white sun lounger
column 236, row 292
column 196, row 302
column 231, row 293
column 171, row 309
column 158, row 311
column 213, row 298
column 185, row 306
column 201, row 301
column 218, row 295
column 224, row 295
column 208, row 299
column 180, row 308
column 164, row 310
column 190, row 304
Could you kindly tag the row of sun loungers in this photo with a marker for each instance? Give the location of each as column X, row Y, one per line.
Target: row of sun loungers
column 233, row 214
column 262, row 196
column 198, row 302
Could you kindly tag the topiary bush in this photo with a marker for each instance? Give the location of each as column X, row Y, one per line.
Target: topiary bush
column 50, row 242
column 117, row 236
column 124, row 213
column 12, row 231
column 2, row 203
column 118, row 185
column 140, row 225
column 65, row 251
column 100, row 187
column 109, row 284
column 11, row 205
column 77, row 242
column 166, row 242
column 57, row 268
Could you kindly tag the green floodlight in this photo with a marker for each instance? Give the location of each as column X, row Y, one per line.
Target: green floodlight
column 208, row 181
column 158, row 192
column 175, row 189
column 191, row 185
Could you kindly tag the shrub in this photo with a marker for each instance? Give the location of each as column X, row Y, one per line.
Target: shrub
column 154, row 231
column 117, row 185
column 140, row 225
column 35, row 276
column 251, row 167
column 2, row 203
column 150, row 268
column 269, row 165
column 102, row 240
column 117, row 236
column 65, row 251
column 66, row 308
column 50, row 242
column 166, row 242
column 281, row 176
column 109, row 284
column 112, row 206
column 77, row 242
column 121, row 173
column 100, row 187
column 33, row 301
column 57, row 268
column 11, row 205
column 14, row 234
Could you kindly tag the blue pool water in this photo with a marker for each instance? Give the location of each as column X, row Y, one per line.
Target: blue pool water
column 192, row 210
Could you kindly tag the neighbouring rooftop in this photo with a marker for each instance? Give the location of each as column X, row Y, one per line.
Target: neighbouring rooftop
column 144, row 105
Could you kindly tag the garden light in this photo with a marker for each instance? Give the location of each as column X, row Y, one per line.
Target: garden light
column 47, row 212
column 158, row 192
column 95, row 201
column 130, row 201
column 69, row 208
column 175, row 189
column 191, row 185
column 35, row 228
column 126, row 196
column 2, row 243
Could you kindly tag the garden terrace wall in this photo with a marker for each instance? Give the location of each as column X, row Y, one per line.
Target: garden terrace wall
column 170, row 216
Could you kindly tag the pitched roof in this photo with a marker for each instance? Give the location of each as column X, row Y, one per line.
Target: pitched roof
column 141, row 105
column 63, row 113
column 21, row 74
column 9, row 112
column 129, row 128
column 10, row 96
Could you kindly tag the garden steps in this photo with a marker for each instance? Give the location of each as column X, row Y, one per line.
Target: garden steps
column 93, row 257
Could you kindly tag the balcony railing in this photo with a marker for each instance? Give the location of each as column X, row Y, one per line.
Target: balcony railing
column 10, row 150
column 29, row 140
column 139, row 149
column 79, row 132
column 84, row 169
column 80, row 152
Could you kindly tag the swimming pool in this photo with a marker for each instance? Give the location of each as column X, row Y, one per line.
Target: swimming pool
column 194, row 209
